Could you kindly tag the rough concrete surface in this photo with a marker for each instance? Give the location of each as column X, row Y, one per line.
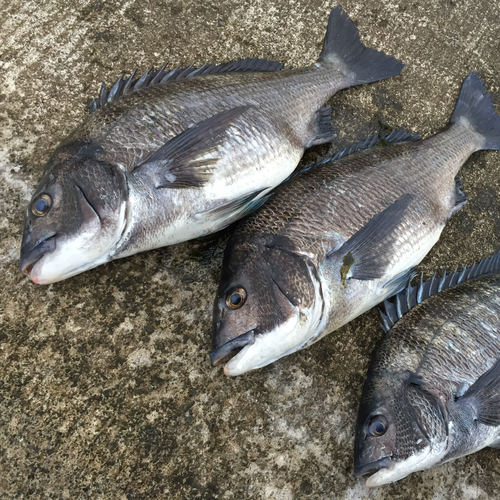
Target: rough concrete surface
column 106, row 390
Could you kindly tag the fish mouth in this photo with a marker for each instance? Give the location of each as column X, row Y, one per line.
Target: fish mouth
column 383, row 463
column 232, row 347
column 27, row 267
column 30, row 257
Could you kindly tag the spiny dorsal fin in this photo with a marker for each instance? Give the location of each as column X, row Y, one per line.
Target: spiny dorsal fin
column 396, row 136
column 151, row 77
column 399, row 135
column 394, row 308
column 362, row 145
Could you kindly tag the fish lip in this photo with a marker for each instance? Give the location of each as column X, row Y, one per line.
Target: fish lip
column 383, row 463
column 217, row 355
column 29, row 257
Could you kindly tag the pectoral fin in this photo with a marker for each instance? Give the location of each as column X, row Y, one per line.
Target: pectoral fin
column 180, row 162
column 366, row 254
column 484, row 397
column 229, row 212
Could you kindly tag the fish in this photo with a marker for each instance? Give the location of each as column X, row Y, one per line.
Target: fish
column 174, row 155
column 432, row 392
column 342, row 236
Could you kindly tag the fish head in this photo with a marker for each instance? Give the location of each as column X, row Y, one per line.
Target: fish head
column 73, row 219
column 263, row 306
column 401, row 428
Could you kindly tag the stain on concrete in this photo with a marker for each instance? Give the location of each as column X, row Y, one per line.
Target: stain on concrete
column 106, row 390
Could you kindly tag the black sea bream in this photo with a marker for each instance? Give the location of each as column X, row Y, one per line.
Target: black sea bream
column 338, row 239
column 173, row 156
column 432, row 392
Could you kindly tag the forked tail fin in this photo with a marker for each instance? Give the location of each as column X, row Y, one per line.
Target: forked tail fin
column 476, row 107
column 343, row 46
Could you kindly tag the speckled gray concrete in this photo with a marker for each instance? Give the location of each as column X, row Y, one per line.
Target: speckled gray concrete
column 106, row 390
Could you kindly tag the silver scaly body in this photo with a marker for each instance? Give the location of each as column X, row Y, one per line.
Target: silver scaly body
column 443, row 350
column 184, row 153
column 358, row 224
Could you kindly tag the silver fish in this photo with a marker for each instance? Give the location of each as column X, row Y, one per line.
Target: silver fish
column 432, row 392
column 176, row 155
column 341, row 237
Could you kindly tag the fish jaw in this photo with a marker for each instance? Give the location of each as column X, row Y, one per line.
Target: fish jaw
column 396, row 470
column 231, row 346
column 266, row 348
column 360, row 470
column 287, row 338
column 60, row 263
column 30, row 257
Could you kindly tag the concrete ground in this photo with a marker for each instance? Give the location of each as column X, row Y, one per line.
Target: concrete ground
column 106, row 390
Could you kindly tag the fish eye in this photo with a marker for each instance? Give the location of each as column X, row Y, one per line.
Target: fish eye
column 41, row 205
column 378, row 426
column 236, row 298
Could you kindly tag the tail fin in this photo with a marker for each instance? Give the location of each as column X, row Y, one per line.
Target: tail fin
column 476, row 106
column 342, row 45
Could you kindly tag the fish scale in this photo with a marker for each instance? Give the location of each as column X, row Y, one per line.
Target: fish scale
column 335, row 192
column 185, row 110
column 359, row 223
column 449, row 354
column 438, row 367
column 184, row 153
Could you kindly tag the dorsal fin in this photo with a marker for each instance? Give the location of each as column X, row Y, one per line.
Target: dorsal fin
column 400, row 135
column 394, row 308
column 362, row 145
column 151, row 77
column 396, row 136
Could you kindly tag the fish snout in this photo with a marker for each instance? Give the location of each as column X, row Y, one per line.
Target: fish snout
column 32, row 253
column 232, row 346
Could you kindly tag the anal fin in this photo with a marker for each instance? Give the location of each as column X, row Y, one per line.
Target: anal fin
column 400, row 281
column 461, row 197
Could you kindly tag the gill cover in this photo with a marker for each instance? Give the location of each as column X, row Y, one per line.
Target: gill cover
column 75, row 216
column 401, row 428
column 276, row 285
